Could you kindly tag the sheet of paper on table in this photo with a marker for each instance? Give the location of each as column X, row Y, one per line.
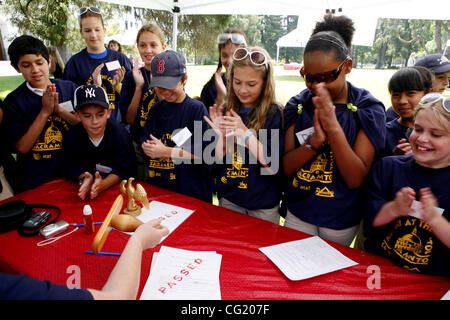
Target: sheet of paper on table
column 172, row 215
column 307, row 258
column 177, row 274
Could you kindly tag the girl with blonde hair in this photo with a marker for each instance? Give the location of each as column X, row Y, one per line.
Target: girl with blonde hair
column 249, row 181
column 137, row 98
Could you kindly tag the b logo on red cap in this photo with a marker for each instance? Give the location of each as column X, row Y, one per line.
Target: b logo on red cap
column 160, row 67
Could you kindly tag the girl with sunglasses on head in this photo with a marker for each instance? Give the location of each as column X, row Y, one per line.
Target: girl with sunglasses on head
column 95, row 63
column 335, row 130
column 215, row 90
column 406, row 87
column 136, row 97
column 407, row 207
column 249, row 180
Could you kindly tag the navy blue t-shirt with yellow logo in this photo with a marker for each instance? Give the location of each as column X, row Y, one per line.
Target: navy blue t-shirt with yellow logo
column 317, row 192
column 395, row 131
column 191, row 177
column 147, row 100
column 44, row 161
column 242, row 179
column 408, row 241
column 79, row 70
column 115, row 152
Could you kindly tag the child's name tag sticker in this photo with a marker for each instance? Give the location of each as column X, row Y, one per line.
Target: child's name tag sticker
column 113, row 65
column 304, row 135
column 417, row 210
column 181, row 137
column 67, row 105
column 103, row 169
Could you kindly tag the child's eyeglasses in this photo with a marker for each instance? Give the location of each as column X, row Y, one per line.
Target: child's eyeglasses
column 83, row 10
column 327, row 77
column 256, row 57
column 235, row 38
column 433, row 97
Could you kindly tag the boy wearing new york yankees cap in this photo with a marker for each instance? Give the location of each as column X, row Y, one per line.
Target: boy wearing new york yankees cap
column 175, row 159
column 98, row 151
column 440, row 66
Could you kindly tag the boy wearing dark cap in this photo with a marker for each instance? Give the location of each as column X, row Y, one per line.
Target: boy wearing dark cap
column 37, row 115
column 440, row 66
column 175, row 157
column 98, row 151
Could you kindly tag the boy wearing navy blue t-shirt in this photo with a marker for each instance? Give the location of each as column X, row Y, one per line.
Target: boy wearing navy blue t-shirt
column 98, row 151
column 37, row 114
column 175, row 166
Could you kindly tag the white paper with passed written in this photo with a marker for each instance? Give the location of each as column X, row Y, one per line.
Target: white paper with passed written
column 307, row 258
column 177, row 274
column 172, row 215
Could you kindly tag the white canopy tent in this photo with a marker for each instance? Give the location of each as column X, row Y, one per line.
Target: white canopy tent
column 365, row 26
column 364, row 13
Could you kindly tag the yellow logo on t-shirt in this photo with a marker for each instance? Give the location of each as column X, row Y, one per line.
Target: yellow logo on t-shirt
column 163, row 163
column 145, row 108
column 410, row 240
column 237, row 170
column 320, row 170
column 324, row 192
column 52, row 138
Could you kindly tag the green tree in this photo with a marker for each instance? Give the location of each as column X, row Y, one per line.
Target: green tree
column 397, row 38
column 197, row 34
column 270, row 33
column 249, row 24
column 53, row 21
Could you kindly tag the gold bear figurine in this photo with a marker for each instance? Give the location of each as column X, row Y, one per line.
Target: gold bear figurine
column 127, row 190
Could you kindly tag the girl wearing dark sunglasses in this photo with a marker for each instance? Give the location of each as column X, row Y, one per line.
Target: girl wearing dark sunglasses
column 335, row 130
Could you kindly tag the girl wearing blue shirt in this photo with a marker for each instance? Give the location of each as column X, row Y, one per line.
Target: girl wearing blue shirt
column 215, row 90
column 419, row 239
column 90, row 64
column 249, row 180
column 335, row 130
column 136, row 97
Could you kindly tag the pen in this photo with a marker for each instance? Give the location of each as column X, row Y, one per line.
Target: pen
column 82, row 224
column 101, row 253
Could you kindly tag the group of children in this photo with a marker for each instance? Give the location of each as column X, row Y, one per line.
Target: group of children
column 322, row 161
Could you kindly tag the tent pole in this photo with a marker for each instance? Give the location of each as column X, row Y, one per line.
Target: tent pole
column 175, row 31
column 278, row 52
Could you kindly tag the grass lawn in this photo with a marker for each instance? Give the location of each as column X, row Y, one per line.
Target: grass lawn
column 288, row 82
column 9, row 83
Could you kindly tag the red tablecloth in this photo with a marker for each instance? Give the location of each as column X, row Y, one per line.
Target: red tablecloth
column 246, row 273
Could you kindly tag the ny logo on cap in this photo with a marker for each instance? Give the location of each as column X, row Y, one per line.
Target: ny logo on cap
column 160, row 67
column 90, row 92
column 443, row 60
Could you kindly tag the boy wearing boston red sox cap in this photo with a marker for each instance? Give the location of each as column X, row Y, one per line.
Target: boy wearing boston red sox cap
column 98, row 152
column 173, row 148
